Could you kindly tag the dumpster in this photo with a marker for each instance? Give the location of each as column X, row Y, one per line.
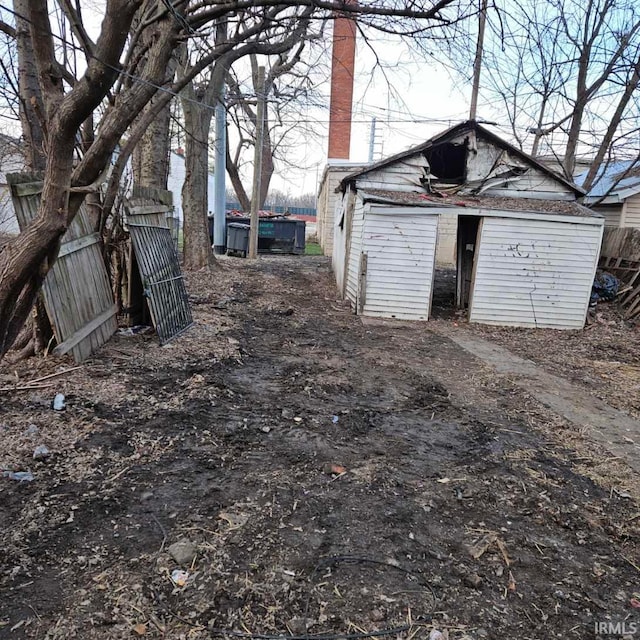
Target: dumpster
column 275, row 235
column 237, row 239
column 301, row 237
column 281, row 235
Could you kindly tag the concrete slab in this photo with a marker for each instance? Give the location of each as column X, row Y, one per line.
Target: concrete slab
column 615, row 431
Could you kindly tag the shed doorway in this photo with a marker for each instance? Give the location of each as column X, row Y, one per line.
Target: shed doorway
column 468, row 237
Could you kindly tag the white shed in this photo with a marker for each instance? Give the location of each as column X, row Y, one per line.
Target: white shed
column 522, row 259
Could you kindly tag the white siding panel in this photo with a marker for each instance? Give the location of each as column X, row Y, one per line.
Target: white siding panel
column 354, row 253
column 339, row 243
column 534, row 274
column 328, row 201
column 632, row 212
column 400, row 261
column 611, row 214
column 403, row 175
column 447, row 237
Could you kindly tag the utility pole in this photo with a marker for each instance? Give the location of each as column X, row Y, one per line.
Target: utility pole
column 220, row 196
column 477, row 63
column 257, row 166
column 220, row 156
column 372, row 138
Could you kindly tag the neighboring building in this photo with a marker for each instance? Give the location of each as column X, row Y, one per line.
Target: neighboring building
column 175, row 181
column 328, row 199
column 11, row 161
column 526, row 250
column 616, row 194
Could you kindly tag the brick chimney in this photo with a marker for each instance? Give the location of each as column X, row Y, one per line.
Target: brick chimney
column 342, row 72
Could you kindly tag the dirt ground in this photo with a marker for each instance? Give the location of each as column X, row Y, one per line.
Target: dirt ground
column 324, row 476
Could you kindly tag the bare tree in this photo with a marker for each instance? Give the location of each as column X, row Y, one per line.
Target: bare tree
column 566, row 73
column 119, row 81
column 291, row 85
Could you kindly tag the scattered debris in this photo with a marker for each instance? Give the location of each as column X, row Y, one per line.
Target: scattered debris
column 140, row 629
column 297, row 626
column 605, row 287
column 628, row 290
column 137, row 442
column 20, row 476
column 473, row 580
column 334, row 469
column 41, row 452
column 136, row 330
column 335, row 419
column 183, row 552
column 58, row 403
column 503, row 550
column 235, row 520
column 179, row 577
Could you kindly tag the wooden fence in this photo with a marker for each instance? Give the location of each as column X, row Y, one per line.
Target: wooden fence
column 620, row 256
column 621, row 243
column 77, row 292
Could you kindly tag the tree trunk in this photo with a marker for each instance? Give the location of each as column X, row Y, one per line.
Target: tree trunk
column 31, row 107
column 25, row 262
column 236, row 181
column 151, row 160
column 195, row 197
column 267, row 164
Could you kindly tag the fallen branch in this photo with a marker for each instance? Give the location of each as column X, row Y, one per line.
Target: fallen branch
column 53, row 375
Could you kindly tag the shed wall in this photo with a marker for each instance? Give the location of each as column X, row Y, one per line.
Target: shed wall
column 447, row 235
column 632, row 213
column 354, row 253
column 403, row 175
column 611, row 213
column 339, row 243
column 533, row 273
column 534, row 182
column 328, row 203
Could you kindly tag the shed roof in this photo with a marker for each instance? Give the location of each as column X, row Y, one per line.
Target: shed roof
column 452, row 132
column 532, row 205
column 621, row 179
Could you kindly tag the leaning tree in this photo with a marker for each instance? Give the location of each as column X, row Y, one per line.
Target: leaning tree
column 126, row 74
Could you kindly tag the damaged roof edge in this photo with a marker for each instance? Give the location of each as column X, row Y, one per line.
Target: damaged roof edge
column 485, row 203
column 467, row 125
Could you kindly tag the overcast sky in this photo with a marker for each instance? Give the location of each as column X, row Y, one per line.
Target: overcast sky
column 411, row 99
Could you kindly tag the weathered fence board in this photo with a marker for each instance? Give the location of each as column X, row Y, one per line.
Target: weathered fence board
column 621, row 243
column 77, row 292
column 162, row 280
column 149, row 205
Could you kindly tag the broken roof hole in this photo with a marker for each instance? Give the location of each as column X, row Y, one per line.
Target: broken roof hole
column 448, row 162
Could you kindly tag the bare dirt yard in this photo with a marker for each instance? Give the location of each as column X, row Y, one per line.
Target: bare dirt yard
column 284, row 469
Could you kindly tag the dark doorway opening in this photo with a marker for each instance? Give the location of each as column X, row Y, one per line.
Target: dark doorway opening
column 466, row 244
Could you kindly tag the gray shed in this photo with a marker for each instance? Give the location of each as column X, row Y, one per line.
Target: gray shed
column 526, row 250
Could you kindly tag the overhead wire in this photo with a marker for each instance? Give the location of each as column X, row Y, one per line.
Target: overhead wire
column 204, row 105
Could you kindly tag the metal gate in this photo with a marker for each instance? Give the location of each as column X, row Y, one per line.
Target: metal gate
column 162, row 280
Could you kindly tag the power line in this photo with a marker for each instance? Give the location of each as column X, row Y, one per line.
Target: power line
column 317, row 121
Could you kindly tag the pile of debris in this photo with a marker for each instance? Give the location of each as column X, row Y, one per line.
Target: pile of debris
column 628, row 273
